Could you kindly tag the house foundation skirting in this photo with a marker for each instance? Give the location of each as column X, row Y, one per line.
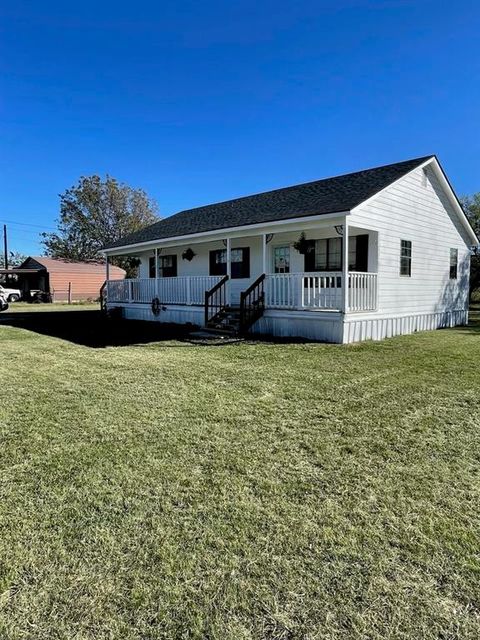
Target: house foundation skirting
column 171, row 314
column 358, row 328
column 322, row 326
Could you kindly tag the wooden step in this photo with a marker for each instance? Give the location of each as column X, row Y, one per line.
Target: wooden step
column 222, row 331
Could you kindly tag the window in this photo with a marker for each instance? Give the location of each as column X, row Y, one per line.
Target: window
column 167, row 266
column 453, row 264
column 326, row 254
column 405, row 258
column 358, row 253
column 281, row 259
column 240, row 259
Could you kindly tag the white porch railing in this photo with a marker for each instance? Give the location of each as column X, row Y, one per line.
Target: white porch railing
column 320, row 291
column 179, row 290
column 362, row 293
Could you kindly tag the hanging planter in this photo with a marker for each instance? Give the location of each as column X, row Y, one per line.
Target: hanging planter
column 188, row 254
column 302, row 245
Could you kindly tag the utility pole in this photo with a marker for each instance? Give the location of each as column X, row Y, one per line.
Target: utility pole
column 5, row 248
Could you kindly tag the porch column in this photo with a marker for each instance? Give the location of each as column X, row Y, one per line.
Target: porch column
column 155, row 253
column 345, row 288
column 229, row 270
column 107, row 269
column 264, row 253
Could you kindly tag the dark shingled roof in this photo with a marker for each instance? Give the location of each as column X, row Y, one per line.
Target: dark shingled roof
column 330, row 195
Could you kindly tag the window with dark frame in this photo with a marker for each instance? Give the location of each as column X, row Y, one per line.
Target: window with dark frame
column 326, row 254
column 240, row 262
column 167, row 266
column 453, row 264
column 405, row 258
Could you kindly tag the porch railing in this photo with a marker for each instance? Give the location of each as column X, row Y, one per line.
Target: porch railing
column 320, row 291
column 216, row 299
column 252, row 303
column 178, row 290
column 362, row 292
column 282, row 290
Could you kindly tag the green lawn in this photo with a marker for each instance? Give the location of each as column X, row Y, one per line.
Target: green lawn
column 245, row 491
column 22, row 307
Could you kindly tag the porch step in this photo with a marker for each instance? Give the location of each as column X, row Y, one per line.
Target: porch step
column 210, row 336
column 220, row 331
column 227, row 321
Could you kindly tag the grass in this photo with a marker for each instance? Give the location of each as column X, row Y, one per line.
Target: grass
column 23, row 307
column 246, row 491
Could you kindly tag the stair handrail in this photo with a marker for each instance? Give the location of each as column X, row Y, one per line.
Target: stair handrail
column 103, row 297
column 215, row 299
column 252, row 303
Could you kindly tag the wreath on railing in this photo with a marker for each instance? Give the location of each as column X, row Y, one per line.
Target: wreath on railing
column 156, row 306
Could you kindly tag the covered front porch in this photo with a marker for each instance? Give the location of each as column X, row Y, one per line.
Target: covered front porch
column 296, row 291
column 311, row 265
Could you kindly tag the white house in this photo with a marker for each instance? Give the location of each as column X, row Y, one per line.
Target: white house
column 366, row 255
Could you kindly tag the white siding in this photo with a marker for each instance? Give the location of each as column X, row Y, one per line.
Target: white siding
column 408, row 210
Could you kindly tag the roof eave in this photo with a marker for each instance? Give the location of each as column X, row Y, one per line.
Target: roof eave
column 215, row 234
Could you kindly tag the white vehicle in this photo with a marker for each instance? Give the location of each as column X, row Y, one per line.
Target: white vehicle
column 11, row 295
column 3, row 302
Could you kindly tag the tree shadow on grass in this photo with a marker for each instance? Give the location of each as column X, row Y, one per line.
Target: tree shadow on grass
column 93, row 329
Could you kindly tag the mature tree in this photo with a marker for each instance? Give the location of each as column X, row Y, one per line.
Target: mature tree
column 96, row 212
column 471, row 206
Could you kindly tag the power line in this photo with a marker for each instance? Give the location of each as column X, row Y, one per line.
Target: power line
column 27, row 224
column 23, row 230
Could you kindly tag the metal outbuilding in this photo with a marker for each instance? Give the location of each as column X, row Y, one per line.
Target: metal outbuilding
column 62, row 279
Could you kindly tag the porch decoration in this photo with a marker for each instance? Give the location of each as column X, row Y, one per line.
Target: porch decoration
column 188, row 254
column 302, row 245
column 156, row 306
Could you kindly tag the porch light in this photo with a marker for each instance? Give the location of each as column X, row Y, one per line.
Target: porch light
column 339, row 229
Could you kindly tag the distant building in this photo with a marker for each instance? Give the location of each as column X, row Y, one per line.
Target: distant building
column 59, row 277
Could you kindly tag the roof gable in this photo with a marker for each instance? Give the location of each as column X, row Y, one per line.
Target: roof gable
column 444, row 184
column 32, row 263
column 330, row 195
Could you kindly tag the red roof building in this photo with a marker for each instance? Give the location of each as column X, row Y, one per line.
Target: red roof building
column 59, row 277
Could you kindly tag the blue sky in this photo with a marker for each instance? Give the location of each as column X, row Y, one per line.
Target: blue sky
column 204, row 101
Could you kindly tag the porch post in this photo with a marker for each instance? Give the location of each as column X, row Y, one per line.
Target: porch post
column 107, row 269
column 264, row 253
column 345, row 287
column 229, row 270
column 155, row 253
